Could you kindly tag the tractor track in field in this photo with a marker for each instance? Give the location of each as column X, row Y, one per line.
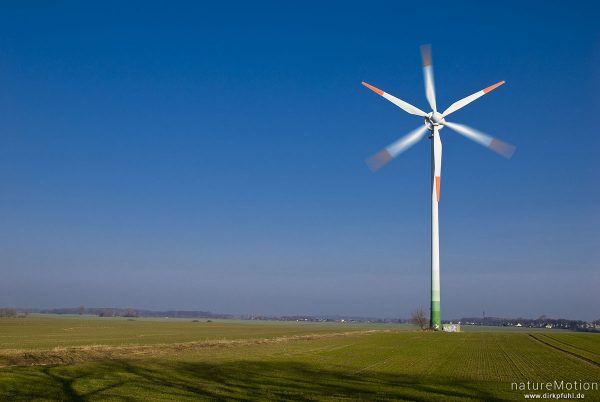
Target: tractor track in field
column 78, row 354
column 570, row 345
column 568, row 352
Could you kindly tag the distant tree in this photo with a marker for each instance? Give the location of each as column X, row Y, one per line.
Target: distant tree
column 107, row 312
column 81, row 310
column 418, row 317
column 130, row 313
column 8, row 312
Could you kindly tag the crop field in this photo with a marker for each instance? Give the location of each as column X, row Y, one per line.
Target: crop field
column 93, row 359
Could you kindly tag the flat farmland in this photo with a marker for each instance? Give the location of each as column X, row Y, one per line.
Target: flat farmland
column 48, row 331
column 89, row 359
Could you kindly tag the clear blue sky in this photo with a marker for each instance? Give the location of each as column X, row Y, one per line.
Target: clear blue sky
column 211, row 156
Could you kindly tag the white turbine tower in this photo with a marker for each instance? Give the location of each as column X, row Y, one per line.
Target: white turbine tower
column 434, row 122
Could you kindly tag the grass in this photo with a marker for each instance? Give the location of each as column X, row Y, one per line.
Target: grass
column 47, row 331
column 282, row 361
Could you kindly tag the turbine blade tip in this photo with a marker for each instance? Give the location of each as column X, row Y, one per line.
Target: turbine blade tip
column 492, row 87
column 426, row 55
column 376, row 161
column 503, row 148
column 372, row 88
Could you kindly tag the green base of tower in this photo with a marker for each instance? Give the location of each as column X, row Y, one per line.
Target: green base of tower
column 435, row 322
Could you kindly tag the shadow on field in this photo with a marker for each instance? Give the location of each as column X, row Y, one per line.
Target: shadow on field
column 242, row 380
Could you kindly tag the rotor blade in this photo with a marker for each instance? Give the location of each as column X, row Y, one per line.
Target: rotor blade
column 465, row 101
column 437, row 161
column 376, row 161
column 407, row 107
column 492, row 143
column 428, row 74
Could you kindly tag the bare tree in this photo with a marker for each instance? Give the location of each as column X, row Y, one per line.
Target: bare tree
column 418, row 317
column 80, row 310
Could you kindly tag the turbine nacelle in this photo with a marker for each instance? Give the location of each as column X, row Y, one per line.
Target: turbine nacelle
column 434, row 119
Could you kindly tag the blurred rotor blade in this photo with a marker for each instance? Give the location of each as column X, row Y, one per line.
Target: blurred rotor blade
column 407, row 107
column 428, row 75
column 465, row 101
column 500, row 147
column 376, row 161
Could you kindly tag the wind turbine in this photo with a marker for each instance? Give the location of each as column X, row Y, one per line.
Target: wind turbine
column 433, row 123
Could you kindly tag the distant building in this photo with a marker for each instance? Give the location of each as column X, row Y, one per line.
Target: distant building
column 451, row 327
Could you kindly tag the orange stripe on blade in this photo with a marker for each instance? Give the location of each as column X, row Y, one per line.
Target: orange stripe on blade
column 437, row 187
column 426, row 55
column 492, row 87
column 378, row 160
column 372, row 88
column 504, row 149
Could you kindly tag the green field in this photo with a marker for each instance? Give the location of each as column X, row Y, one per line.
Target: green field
column 88, row 358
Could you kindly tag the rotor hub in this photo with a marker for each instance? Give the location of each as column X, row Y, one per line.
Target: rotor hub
column 434, row 119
